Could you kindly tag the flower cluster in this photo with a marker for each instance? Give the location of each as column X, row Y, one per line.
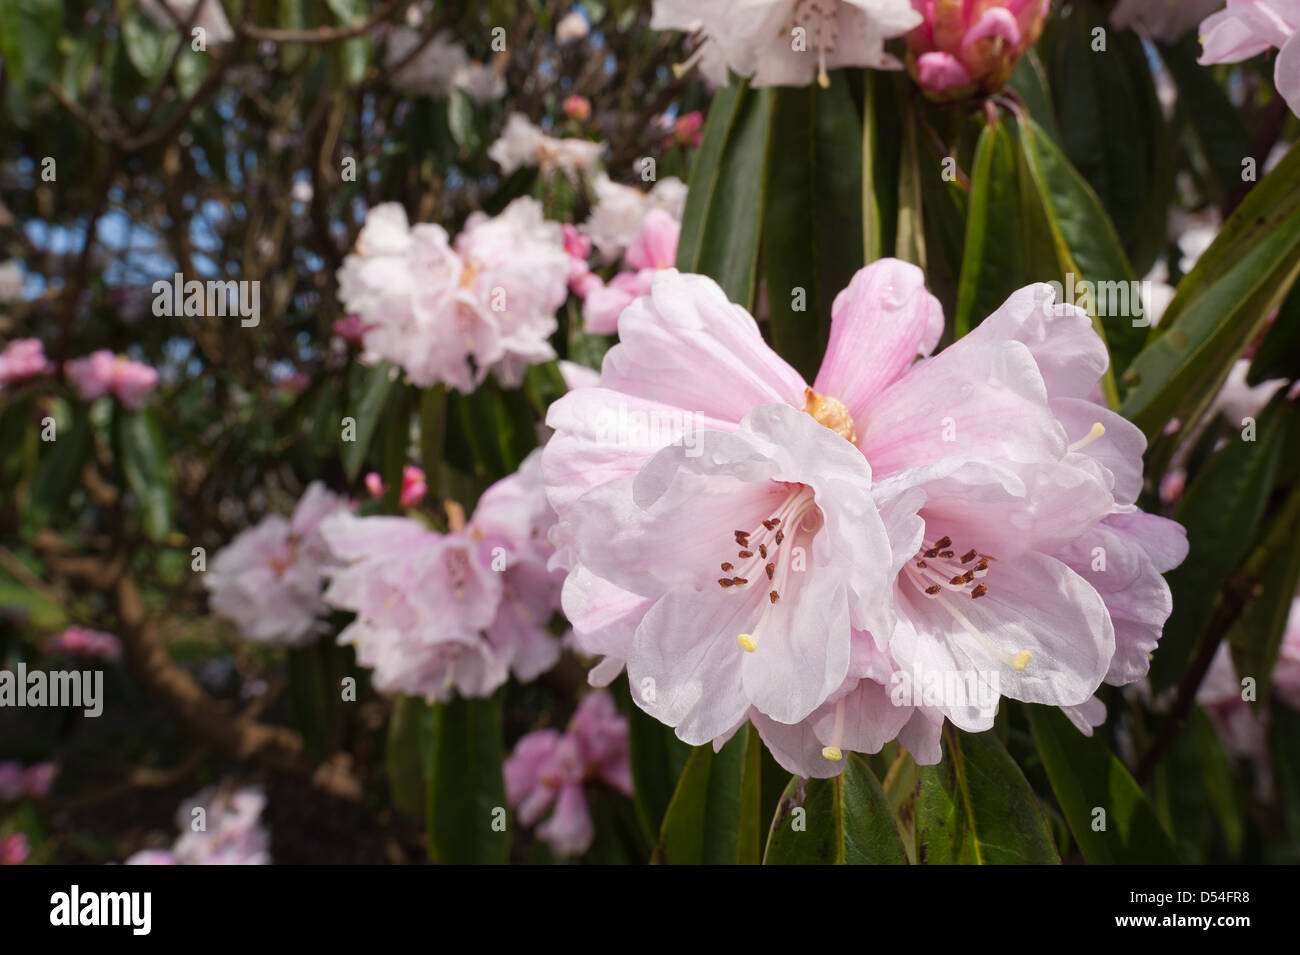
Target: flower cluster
column 22, row 360
column 619, row 214
column 963, row 48
column 268, row 580
column 436, row 65
column 459, row 611
column 786, row 42
column 654, row 249
column 218, row 827
column 34, row 782
column 856, row 560
column 451, row 314
column 524, row 144
column 548, row 772
column 103, row 373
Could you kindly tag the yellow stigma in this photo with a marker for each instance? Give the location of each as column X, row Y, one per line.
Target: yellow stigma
column 832, row 753
column 748, row 642
column 1095, row 432
column 830, row 413
column 1020, row 660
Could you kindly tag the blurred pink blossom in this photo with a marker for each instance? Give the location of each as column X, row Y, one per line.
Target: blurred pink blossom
column 81, row 641
column 102, row 373
column 577, row 108
column 14, row 849
column 23, row 358
column 1249, row 27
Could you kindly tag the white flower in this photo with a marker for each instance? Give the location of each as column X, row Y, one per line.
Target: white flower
column 524, row 144
column 211, row 19
column 573, row 26
column 430, row 72
column 620, row 211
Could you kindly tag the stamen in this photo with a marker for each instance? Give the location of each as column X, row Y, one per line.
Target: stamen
column 773, row 596
column 770, row 570
column 681, row 69
column 726, row 565
column 969, row 556
column 748, row 642
column 725, row 582
column 746, row 554
column 979, row 591
column 833, row 751
column 1020, row 660
column 1093, row 434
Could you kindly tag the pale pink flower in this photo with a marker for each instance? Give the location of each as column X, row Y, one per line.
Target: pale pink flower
column 152, row 857
column 572, row 26
column 517, row 268
column 961, row 49
column 38, row 779
column 23, row 359
column 12, row 775
column 232, row 832
column 619, row 213
column 269, row 579
column 512, row 522
column 548, row 770
column 655, row 248
column 81, row 641
column 1241, row 730
column 1249, row 27
column 431, row 71
column 577, row 376
column 787, row 42
column 422, row 601
column 102, row 373
column 987, row 464
column 581, row 279
column 1163, row 20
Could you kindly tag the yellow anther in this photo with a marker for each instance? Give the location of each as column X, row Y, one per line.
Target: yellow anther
column 748, row 642
column 832, row 753
column 1020, row 660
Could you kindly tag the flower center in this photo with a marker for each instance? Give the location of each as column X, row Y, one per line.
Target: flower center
column 818, row 21
column 938, row 573
column 761, row 551
column 830, row 413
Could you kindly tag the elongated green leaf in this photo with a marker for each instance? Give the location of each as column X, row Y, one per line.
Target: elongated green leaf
column 910, row 238
column 1030, row 81
column 1103, row 806
column 1221, row 510
column 58, row 471
column 29, row 33
column 811, row 221
column 147, row 470
column 1219, row 779
column 466, row 794
column 724, row 205
column 991, row 269
column 1084, row 246
column 657, row 757
column 308, row 700
column 713, row 817
column 1220, row 306
column 976, row 808
column 365, row 409
column 844, row 820
column 408, row 755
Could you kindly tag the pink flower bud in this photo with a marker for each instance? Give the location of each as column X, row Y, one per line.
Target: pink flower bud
column 965, row 48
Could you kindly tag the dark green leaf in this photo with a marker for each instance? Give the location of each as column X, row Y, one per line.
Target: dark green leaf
column 147, row 470
column 713, row 815
column 991, row 269
column 466, row 788
column 365, row 409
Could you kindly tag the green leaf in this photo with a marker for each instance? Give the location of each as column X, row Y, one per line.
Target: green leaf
column 376, row 383
column 909, row 241
column 408, row 755
column 976, row 808
column 811, row 224
column 148, row 48
column 1219, row 779
column 714, row 814
column 433, row 436
column 1086, row 777
column 844, row 820
column 724, row 205
column 1082, row 243
column 460, row 120
column 147, row 469
column 1220, row 306
column 658, row 758
column 309, row 696
column 466, row 787
column 991, row 269
column 1221, row 510
column 29, row 35
column 1215, row 123
column 1030, row 81
column 1284, row 747
column 58, row 472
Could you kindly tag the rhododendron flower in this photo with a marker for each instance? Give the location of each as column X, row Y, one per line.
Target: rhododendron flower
column 618, row 216
column 548, row 772
column 102, row 373
column 80, row 641
column 654, row 249
column 449, row 314
column 413, row 490
column 524, row 144
column 572, row 26
column 517, row 269
column 788, row 42
column 268, row 580
column 577, row 108
column 962, row 47
column 1249, row 27
column 512, row 523
column 1164, row 20
column 688, row 129
column 435, row 67
column 986, row 465
column 1239, row 727
column 23, row 358
column 231, row 831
